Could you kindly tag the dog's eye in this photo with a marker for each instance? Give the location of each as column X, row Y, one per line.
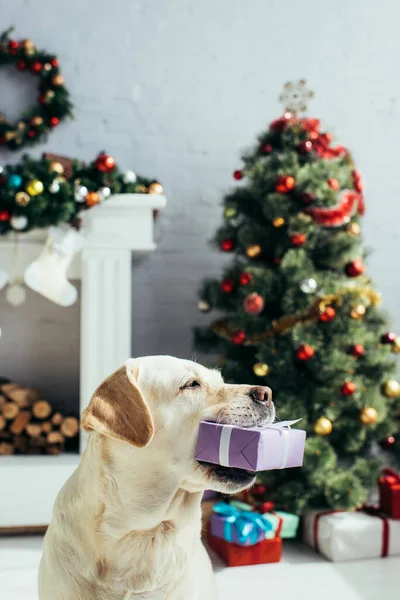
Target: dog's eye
column 191, row 384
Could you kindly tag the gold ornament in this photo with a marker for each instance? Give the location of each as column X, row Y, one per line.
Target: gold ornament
column 396, row 345
column 368, row 415
column 49, row 96
column 358, row 312
column 47, row 67
column 34, row 187
column 354, row 229
column 37, row 120
column 57, row 79
column 278, row 222
column 391, row 388
column 375, row 298
column 253, row 250
column 22, row 198
column 92, row 198
column 295, row 95
column 323, row 426
column 230, row 212
column 56, row 167
column 261, row 369
column 155, row 188
column 21, row 125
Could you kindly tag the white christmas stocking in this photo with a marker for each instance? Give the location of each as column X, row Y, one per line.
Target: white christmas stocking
column 47, row 275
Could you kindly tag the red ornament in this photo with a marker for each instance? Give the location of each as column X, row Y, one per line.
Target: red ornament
column 305, row 352
column 266, row 149
column 258, row 490
column 348, row 388
column 310, row 124
column 284, row 184
column 355, row 268
column 42, row 100
column 357, row 182
column 313, row 133
column 227, row 285
column 328, row 315
column 389, row 442
column 21, row 65
column 239, row 338
column 31, row 133
column 267, row 507
column 227, row 245
column 238, row 174
column 281, row 123
column 305, row 147
column 245, row 278
column 105, row 163
column 54, row 121
column 307, row 197
column 357, row 350
column 253, row 304
column 298, row 239
column 13, row 46
column 4, row 215
column 36, row 66
column 54, row 62
column 388, row 338
column 333, row 183
column 277, row 260
column 349, row 204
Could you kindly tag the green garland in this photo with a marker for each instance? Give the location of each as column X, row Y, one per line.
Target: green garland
column 53, row 104
column 41, row 192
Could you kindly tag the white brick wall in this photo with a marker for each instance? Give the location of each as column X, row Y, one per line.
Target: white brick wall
column 177, row 89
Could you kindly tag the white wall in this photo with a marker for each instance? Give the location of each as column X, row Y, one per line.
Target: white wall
column 177, row 89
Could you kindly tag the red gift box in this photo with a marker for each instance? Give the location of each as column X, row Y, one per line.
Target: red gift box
column 389, row 487
column 267, row 551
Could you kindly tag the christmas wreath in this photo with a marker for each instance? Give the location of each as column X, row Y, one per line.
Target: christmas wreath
column 44, row 192
column 53, row 104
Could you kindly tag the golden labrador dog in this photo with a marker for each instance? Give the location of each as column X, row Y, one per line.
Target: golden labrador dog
column 126, row 525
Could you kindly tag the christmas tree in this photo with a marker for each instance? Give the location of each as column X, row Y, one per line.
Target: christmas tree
column 301, row 315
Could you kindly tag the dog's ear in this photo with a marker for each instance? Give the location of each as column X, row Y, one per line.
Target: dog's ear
column 118, row 409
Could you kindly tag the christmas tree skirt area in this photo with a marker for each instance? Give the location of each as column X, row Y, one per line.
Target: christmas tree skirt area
column 302, row 574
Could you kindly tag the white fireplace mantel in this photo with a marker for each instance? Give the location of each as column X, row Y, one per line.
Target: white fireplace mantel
column 113, row 232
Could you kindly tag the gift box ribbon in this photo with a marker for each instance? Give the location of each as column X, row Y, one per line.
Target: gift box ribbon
column 247, row 525
column 225, row 441
column 391, row 478
column 266, row 508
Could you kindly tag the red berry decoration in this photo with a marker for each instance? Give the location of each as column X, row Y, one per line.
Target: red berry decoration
column 355, row 268
column 54, row 62
column 305, row 352
column 227, row 245
column 239, row 338
column 4, row 215
column 258, row 490
column 285, row 184
column 21, row 65
column 305, row 147
column 227, row 285
column 389, row 442
column 54, row 121
column 36, row 66
column 348, row 388
column 238, row 174
column 307, row 197
column 328, row 315
column 266, row 149
column 105, row 163
column 333, row 183
column 13, row 44
column 31, row 133
column 245, row 278
column 253, row 304
column 357, row 350
column 388, row 338
column 298, row 239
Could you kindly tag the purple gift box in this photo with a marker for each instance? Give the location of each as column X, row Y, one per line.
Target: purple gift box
column 275, row 446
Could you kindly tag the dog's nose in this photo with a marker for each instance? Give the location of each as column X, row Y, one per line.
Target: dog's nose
column 261, row 394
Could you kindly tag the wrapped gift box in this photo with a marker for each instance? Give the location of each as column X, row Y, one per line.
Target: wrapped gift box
column 389, row 488
column 275, row 446
column 242, row 527
column 341, row 536
column 267, row 551
column 284, row 524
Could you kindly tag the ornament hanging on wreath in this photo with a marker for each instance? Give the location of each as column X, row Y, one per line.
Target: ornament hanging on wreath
column 54, row 103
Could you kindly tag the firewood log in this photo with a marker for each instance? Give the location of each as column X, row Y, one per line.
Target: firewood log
column 57, row 418
column 69, row 427
column 41, row 409
column 6, row 448
column 23, row 396
column 54, row 449
column 3, row 400
column 20, row 422
column 2, row 423
column 10, row 410
column 34, row 430
column 47, row 427
column 55, row 437
column 21, row 443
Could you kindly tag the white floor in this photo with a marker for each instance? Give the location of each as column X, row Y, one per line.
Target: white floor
column 302, row 575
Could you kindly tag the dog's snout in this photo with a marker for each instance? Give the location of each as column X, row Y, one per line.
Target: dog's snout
column 261, row 394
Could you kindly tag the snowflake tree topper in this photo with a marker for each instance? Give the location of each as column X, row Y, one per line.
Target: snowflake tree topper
column 295, row 96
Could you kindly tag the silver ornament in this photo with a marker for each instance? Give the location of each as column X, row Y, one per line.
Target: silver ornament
column 80, row 193
column 203, row 306
column 19, row 222
column 308, row 286
column 129, row 177
column 104, row 193
column 15, row 294
column 54, row 187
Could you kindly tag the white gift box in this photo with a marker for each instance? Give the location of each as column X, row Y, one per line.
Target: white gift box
column 341, row 536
